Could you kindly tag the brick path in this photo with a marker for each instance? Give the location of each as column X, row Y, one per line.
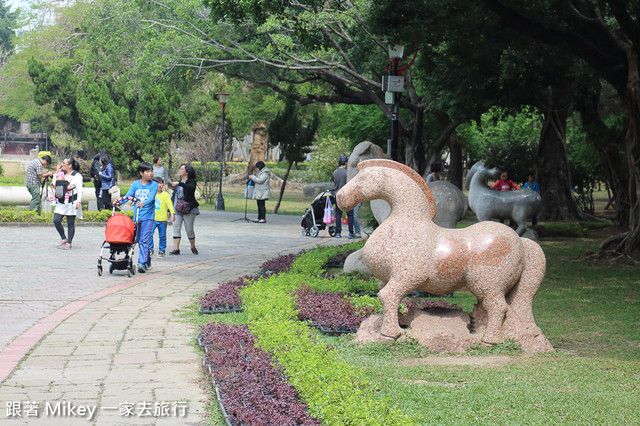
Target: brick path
column 69, row 337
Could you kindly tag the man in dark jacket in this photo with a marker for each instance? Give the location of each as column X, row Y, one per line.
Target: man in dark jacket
column 340, row 180
column 95, row 174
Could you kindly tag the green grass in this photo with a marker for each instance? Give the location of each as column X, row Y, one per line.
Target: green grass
column 293, row 203
column 590, row 314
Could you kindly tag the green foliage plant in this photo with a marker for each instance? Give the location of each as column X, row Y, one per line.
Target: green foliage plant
column 335, row 391
column 325, row 157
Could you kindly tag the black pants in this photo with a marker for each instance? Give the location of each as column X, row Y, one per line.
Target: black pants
column 339, row 221
column 97, row 184
column 71, row 226
column 262, row 210
column 106, row 200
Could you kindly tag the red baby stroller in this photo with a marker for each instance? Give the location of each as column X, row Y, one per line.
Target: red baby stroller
column 120, row 237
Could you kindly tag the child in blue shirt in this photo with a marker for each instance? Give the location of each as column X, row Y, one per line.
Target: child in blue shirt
column 533, row 185
column 145, row 191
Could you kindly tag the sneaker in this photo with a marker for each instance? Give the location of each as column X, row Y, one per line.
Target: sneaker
column 150, row 253
column 174, row 252
column 358, row 236
column 66, row 246
column 337, row 236
column 147, row 266
column 194, row 250
column 160, row 255
column 141, row 269
column 261, row 221
column 352, row 236
column 61, row 244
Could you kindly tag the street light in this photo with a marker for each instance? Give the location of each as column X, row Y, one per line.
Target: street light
column 223, row 98
column 395, row 54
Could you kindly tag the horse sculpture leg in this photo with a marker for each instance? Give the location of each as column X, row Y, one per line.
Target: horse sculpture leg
column 390, row 299
column 496, row 307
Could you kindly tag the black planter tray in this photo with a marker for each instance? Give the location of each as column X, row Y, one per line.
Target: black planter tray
column 330, row 331
column 419, row 293
column 334, row 265
column 219, row 309
column 364, row 293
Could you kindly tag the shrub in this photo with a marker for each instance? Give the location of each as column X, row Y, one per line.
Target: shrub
column 226, row 295
column 281, row 263
column 335, row 392
column 252, row 387
column 328, row 309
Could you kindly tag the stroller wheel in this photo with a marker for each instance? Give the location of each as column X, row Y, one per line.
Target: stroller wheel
column 332, row 231
column 99, row 270
column 313, row 231
column 111, row 268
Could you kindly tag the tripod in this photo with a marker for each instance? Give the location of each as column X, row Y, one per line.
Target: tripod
column 246, row 219
column 44, row 194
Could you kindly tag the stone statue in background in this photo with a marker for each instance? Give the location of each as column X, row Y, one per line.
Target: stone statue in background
column 259, row 147
column 408, row 252
column 451, row 203
column 489, row 204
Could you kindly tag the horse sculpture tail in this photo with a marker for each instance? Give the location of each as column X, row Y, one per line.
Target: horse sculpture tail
column 520, row 298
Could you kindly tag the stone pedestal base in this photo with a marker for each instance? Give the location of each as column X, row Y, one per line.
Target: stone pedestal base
column 447, row 330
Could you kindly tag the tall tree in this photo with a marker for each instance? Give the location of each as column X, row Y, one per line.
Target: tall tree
column 294, row 138
column 8, row 22
column 605, row 36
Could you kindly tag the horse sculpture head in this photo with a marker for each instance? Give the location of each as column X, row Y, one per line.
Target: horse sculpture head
column 480, row 173
column 378, row 175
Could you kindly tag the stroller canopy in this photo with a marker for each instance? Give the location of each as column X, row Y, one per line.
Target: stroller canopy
column 120, row 229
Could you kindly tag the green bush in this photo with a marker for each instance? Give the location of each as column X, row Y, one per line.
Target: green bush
column 336, row 392
column 313, row 261
column 1, row 170
column 17, row 215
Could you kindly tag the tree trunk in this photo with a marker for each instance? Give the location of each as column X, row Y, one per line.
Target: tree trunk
column 455, row 161
column 553, row 165
column 628, row 243
column 606, row 143
column 448, row 129
column 414, row 149
column 284, row 183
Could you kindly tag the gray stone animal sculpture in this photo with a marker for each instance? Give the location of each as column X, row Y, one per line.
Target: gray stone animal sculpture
column 451, row 203
column 489, row 204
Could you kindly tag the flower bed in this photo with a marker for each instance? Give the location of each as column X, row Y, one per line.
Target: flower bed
column 252, row 388
column 330, row 312
column 225, row 298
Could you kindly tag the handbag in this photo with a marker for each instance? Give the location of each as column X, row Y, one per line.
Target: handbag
column 183, row 207
column 113, row 189
column 329, row 215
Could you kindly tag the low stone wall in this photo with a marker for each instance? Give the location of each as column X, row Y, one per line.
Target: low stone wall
column 20, row 196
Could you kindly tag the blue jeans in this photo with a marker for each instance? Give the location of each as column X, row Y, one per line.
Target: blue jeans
column 162, row 236
column 356, row 219
column 144, row 235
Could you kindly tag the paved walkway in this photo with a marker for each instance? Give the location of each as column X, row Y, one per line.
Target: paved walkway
column 112, row 349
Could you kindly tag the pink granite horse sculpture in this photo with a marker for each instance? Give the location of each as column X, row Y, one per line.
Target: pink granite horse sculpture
column 409, row 252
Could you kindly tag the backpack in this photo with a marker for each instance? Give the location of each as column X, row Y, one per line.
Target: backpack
column 85, row 169
column 61, row 190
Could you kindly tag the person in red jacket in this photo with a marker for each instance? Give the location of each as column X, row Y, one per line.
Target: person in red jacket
column 504, row 183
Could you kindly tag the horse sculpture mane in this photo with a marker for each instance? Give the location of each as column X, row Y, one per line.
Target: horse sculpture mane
column 390, row 164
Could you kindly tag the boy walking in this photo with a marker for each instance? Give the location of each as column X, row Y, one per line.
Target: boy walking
column 163, row 204
column 145, row 191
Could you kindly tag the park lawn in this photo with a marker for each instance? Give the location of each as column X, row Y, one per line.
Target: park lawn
column 293, row 202
column 591, row 316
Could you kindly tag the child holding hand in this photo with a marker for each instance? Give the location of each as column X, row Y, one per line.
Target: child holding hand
column 163, row 205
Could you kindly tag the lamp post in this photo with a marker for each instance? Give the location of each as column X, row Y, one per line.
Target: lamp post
column 395, row 54
column 223, row 98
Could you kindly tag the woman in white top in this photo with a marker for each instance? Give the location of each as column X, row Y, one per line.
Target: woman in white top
column 71, row 205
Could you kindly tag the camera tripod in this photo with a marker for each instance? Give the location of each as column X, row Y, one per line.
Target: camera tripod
column 246, row 219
